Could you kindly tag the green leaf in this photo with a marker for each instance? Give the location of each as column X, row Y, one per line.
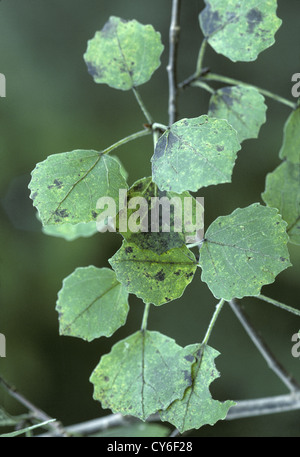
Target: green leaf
column 243, row 107
column 240, row 30
column 195, row 153
column 177, row 213
column 91, row 303
column 283, row 192
column 71, row 232
column 124, row 54
column 142, row 374
column 244, row 251
column 197, row 407
column 154, row 278
column 290, row 149
column 65, row 187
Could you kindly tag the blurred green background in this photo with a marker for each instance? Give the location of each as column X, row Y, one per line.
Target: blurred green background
column 52, row 106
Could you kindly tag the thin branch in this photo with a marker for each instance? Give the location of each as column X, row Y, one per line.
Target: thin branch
column 145, row 317
column 172, row 65
column 263, row 406
column 204, row 86
column 273, row 364
column 279, row 304
column 200, row 58
column 199, row 70
column 242, row 409
column 219, row 306
column 133, row 136
column 142, row 105
column 231, row 81
column 37, row 413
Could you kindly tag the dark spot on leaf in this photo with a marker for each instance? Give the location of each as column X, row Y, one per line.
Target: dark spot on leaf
column 189, row 358
column 124, row 69
column 282, row 259
column 167, row 299
column 212, row 106
column 226, row 96
column 220, row 148
column 199, row 353
column 231, row 17
column 188, row 275
column 94, row 214
column 172, row 139
column 177, row 273
column 128, row 250
column 56, row 183
column 106, row 378
column 61, row 213
column 211, row 20
column 160, row 276
column 33, row 196
column 138, row 187
column 254, row 17
column 94, row 71
column 187, row 376
column 160, row 147
column 109, row 29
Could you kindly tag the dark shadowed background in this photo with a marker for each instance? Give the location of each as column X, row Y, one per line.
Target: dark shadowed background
column 52, row 106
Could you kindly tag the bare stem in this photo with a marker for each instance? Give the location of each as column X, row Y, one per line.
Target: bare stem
column 262, row 406
column 200, row 58
column 172, row 65
column 231, row 81
column 219, row 306
column 279, row 304
column 242, row 409
column 37, row 413
column 133, row 136
column 142, row 105
column 145, row 317
column 273, row 364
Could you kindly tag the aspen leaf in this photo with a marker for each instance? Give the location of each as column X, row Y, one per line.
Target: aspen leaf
column 91, row 303
column 124, row 54
column 195, row 153
column 244, row 251
column 243, row 107
column 65, row 187
column 155, row 278
column 240, row 30
column 197, row 407
column 142, row 374
column 283, row 192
